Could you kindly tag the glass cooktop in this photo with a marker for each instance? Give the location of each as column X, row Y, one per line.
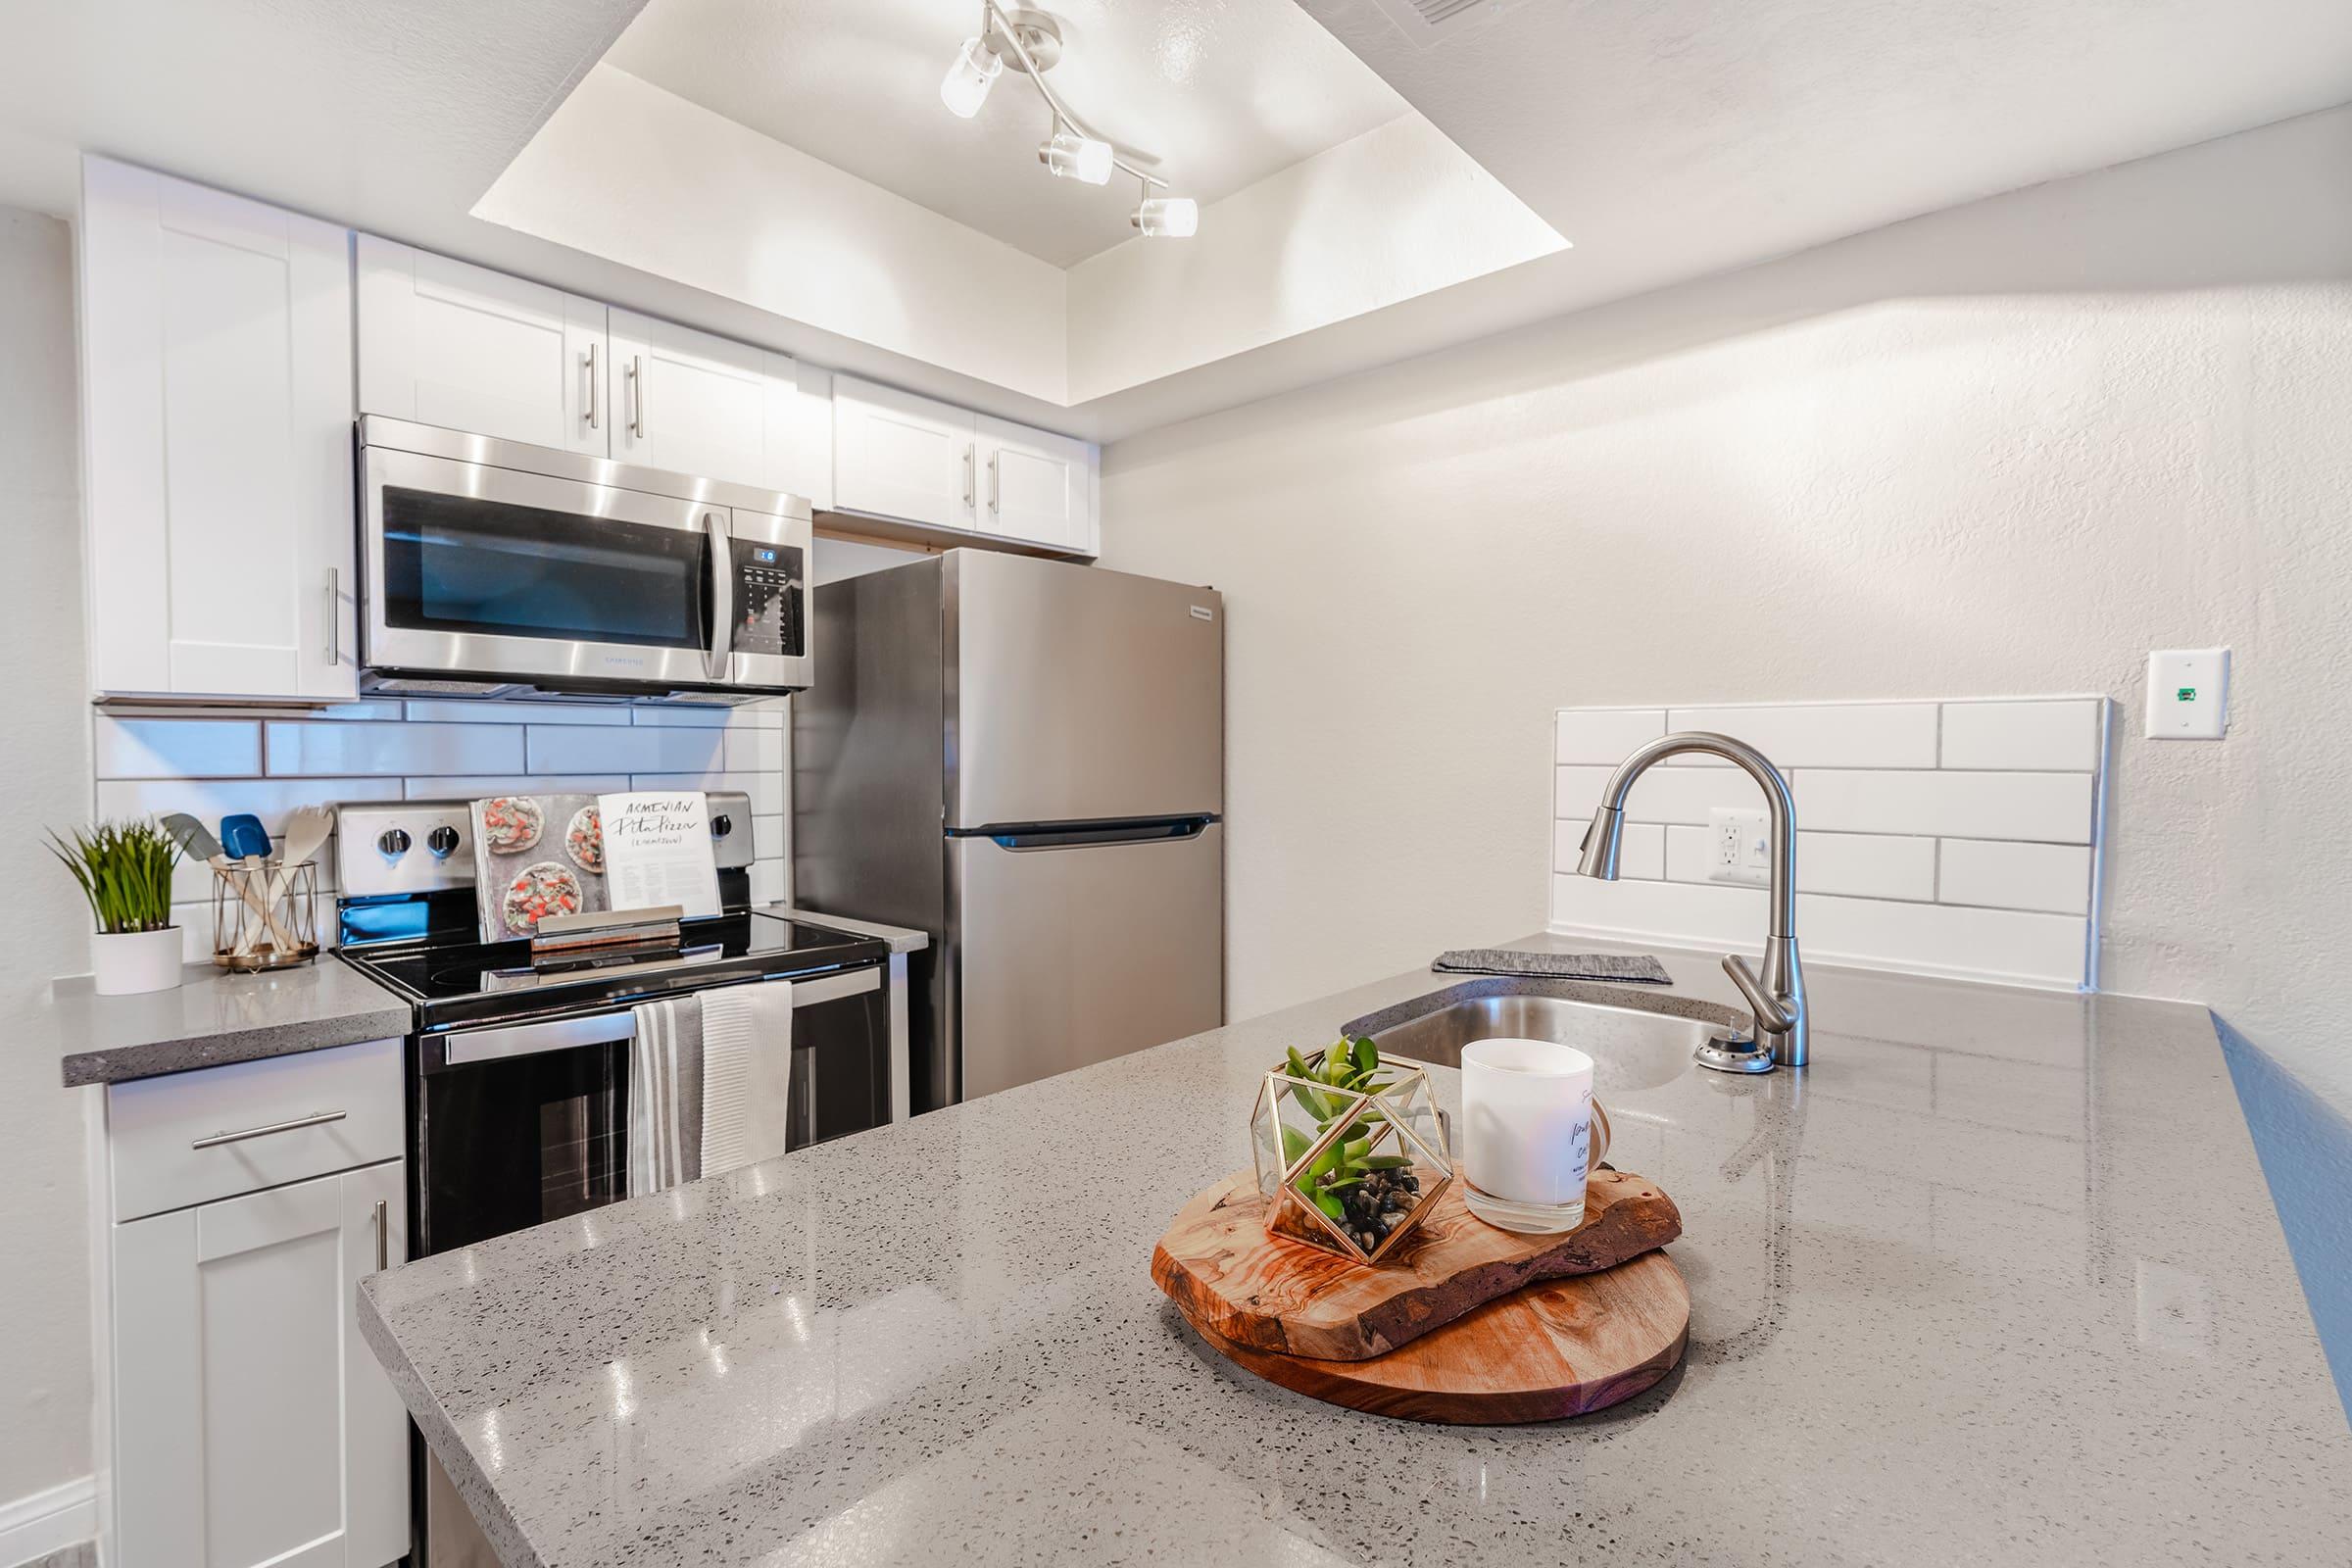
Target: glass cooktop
column 454, row 982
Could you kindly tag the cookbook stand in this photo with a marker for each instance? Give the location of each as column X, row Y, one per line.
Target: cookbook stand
column 606, row 936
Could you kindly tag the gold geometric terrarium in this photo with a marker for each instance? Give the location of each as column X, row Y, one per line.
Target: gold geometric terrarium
column 1350, row 1149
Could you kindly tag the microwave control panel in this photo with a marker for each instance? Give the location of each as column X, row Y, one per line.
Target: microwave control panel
column 768, row 597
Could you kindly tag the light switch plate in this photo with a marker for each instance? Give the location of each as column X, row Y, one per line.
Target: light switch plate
column 2188, row 694
column 1738, row 846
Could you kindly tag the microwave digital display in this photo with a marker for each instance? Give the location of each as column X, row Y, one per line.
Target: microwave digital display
column 766, row 558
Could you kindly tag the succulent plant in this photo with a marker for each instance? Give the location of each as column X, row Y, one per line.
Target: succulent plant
column 1348, row 1067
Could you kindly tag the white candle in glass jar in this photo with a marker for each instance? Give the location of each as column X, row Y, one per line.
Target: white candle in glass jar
column 1527, row 1133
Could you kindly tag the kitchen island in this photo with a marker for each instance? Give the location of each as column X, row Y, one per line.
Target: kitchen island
column 1995, row 1279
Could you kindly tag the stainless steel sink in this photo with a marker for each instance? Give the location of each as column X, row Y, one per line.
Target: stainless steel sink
column 1632, row 1047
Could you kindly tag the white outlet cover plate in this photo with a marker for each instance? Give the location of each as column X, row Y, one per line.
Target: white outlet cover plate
column 1739, row 846
column 2188, row 694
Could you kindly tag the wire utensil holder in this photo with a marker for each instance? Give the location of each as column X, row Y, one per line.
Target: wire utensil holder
column 264, row 916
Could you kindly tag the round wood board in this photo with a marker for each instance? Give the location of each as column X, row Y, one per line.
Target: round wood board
column 1560, row 1348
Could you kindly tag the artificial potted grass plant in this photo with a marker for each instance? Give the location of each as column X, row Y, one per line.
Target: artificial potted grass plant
column 125, row 870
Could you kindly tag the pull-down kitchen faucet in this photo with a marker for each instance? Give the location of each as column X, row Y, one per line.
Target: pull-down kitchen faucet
column 1776, row 997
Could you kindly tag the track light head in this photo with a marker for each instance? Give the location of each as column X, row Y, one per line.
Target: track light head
column 1167, row 217
column 1075, row 157
column 965, row 87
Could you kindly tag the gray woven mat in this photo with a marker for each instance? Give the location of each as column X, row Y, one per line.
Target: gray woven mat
column 1639, row 969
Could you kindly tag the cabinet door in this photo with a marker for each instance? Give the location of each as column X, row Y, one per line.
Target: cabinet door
column 1037, row 487
column 701, row 404
column 445, row 343
column 252, row 1423
column 216, row 439
column 896, row 455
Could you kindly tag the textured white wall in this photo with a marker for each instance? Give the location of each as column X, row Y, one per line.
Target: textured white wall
column 1393, row 214
column 45, row 779
column 2003, row 449
column 639, row 176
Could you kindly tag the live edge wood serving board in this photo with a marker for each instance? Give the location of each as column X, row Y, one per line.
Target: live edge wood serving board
column 1464, row 1323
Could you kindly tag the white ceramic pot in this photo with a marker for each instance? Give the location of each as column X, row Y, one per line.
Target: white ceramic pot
column 130, row 961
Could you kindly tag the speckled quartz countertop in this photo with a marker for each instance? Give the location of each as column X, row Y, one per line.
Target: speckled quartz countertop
column 1995, row 1280
column 212, row 1018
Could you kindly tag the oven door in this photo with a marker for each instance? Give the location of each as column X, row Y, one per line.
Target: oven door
column 476, row 571
column 518, row 1124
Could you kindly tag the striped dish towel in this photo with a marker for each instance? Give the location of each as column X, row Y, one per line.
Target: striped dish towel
column 665, row 1093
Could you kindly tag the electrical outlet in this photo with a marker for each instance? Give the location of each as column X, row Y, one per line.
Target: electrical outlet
column 1738, row 846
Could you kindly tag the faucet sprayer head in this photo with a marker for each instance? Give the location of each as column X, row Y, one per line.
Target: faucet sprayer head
column 1600, row 844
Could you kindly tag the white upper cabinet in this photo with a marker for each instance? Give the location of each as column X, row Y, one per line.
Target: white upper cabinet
column 912, row 459
column 899, row 456
column 1037, row 487
column 701, row 404
column 445, row 343
column 215, row 339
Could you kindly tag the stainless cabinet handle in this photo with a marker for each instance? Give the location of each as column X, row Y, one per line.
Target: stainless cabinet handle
column 317, row 1119
column 588, row 375
column 996, row 483
column 969, row 480
column 334, row 618
column 383, row 1235
column 637, row 396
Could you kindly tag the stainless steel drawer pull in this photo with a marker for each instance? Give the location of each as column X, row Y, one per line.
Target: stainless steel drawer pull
column 383, row 1235
column 316, row 1119
column 588, row 383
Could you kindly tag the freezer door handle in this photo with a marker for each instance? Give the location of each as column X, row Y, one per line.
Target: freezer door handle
column 1028, row 836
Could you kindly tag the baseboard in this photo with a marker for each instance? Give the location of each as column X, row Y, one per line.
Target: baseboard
column 48, row 1521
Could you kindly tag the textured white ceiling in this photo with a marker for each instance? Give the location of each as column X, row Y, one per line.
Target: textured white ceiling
column 1225, row 93
column 1673, row 137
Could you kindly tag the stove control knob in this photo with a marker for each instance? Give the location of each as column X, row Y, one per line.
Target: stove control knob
column 721, row 826
column 393, row 842
column 442, row 840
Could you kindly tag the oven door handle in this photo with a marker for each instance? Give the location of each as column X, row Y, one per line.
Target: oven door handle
column 719, row 655
column 460, row 1047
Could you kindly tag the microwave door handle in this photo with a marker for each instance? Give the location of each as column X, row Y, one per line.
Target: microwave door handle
column 716, row 658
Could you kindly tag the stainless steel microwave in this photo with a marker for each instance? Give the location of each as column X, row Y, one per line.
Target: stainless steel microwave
column 497, row 568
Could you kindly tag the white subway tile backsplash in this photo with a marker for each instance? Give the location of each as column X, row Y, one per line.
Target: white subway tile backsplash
column 1823, row 734
column 1641, row 847
column 1605, row 735
column 154, row 760
column 759, row 750
column 633, row 751
column 767, row 882
column 209, row 799
column 2044, row 808
column 683, row 715
column 1940, row 939
column 1856, row 865
column 175, row 748
column 1674, row 912
column 2057, row 735
column 1955, row 836
column 2055, row 877
column 442, row 712
column 1661, row 795
column 299, row 747
column 767, row 790
column 468, row 787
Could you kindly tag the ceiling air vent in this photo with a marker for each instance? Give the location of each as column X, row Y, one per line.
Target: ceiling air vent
column 1431, row 22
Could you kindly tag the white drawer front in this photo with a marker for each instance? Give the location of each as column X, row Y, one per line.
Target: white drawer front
column 191, row 1137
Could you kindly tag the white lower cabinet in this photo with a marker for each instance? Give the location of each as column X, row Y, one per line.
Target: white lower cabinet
column 253, row 1425
column 247, row 1420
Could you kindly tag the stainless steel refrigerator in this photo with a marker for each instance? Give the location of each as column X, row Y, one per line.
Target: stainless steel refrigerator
column 1025, row 759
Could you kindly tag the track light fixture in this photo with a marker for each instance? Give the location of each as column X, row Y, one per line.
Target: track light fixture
column 1030, row 41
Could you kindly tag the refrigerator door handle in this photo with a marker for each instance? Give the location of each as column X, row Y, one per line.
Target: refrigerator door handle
column 1025, row 837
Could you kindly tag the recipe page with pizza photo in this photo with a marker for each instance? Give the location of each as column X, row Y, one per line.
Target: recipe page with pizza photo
column 536, row 855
